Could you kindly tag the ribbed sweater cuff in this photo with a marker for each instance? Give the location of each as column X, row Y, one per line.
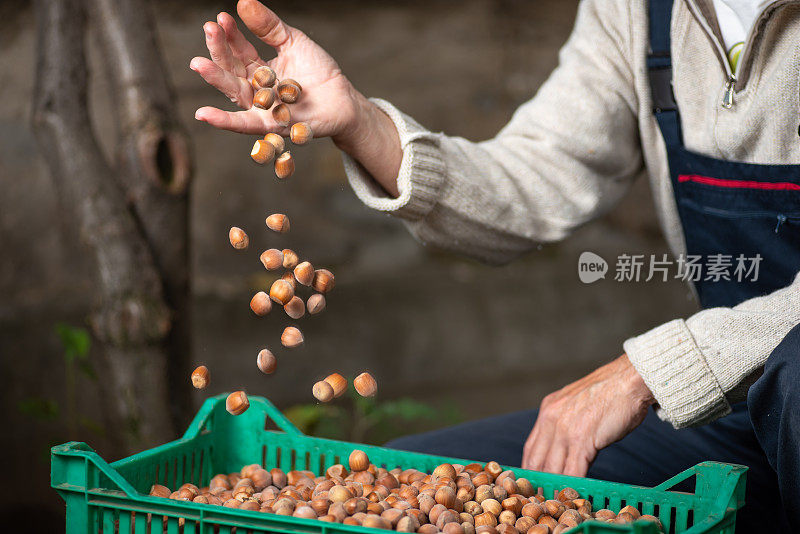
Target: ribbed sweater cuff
column 421, row 173
column 674, row 369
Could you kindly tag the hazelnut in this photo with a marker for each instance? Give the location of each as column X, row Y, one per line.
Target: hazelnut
column 337, row 382
column 339, row 494
column 288, row 277
column 446, row 496
column 263, row 77
column 278, row 222
column 548, row 521
column 624, row 517
column 272, row 259
column 237, row 403
column 323, row 280
column 485, row 519
column 304, row 273
column 300, row 133
column 358, row 461
column 201, row 499
column 264, row 98
column 445, row 470
column 523, row 524
column 157, row 490
column 505, row 528
column 276, row 141
column 427, row 528
column 554, row 508
column 453, row 528
column 322, row 391
column 261, row 304
column 291, row 337
column 253, row 506
column 631, row 510
column 200, row 377
column 494, row 469
column 652, row 518
column 525, row 487
column 365, row 385
column 289, row 91
column 284, row 165
column 232, row 503
column 238, row 238
column 262, row 152
column 261, row 479
column 534, row 510
column 567, row 494
column 295, row 308
column 290, row 259
column 492, row 506
column 376, row 521
column 407, row 524
column 305, row 512
column 281, row 114
column 281, row 292
column 469, row 528
column 266, row 362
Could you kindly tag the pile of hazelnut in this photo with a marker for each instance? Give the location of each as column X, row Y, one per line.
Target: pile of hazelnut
column 296, row 273
column 454, row 499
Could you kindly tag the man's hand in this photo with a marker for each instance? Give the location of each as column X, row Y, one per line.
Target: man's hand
column 578, row 420
column 329, row 103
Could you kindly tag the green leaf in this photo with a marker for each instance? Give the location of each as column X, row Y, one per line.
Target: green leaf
column 75, row 341
column 38, row 408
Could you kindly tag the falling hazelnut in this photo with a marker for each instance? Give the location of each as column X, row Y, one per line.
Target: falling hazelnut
column 315, row 304
column 289, row 91
column 276, row 141
column 291, row 337
column 262, row 152
column 266, row 361
column 261, row 304
column 295, row 308
column 290, row 259
column 300, row 133
column 365, row 385
column 288, row 277
column 238, row 238
column 272, row 259
column 237, row 403
column 264, row 98
column 281, row 292
column 284, row 166
column 304, row 273
column 278, row 222
column 282, row 115
column 263, row 77
column 322, row 391
column 200, row 377
column 323, row 280
column 338, row 383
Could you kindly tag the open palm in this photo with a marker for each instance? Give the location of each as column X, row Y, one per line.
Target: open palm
column 327, row 103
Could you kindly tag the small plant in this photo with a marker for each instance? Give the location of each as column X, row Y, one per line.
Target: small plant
column 367, row 420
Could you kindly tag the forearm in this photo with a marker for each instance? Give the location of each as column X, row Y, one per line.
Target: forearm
column 372, row 140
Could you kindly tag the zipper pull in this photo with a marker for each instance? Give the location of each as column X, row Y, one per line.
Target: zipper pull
column 727, row 96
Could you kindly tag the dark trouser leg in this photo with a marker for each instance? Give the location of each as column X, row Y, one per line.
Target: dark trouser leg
column 649, row 455
column 774, row 403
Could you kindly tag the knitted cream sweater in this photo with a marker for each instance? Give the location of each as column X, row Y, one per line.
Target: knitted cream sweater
column 570, row 153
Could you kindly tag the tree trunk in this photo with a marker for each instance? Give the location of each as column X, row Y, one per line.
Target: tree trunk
column 133, row 320
column 154, row 163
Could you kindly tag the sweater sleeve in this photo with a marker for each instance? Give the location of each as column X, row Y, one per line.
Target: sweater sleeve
column 696, row 368
column 566, row 157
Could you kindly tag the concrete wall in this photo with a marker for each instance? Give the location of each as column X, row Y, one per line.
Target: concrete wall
column 430, row 325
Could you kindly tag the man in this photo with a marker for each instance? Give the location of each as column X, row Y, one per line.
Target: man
column 704, row 96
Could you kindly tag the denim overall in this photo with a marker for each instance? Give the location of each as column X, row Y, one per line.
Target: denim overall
column 730, row 209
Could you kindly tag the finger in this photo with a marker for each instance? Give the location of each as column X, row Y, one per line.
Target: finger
column 556, row 457
column 247, row 122
column 577, row 463
column 540, row 444
column 241, row 48
column 218, row 47
column 225, row 82
column 264, row 23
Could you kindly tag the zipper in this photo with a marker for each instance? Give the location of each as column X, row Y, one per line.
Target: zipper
column 732, row 84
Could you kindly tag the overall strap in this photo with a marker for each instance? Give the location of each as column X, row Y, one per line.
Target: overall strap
column 659, row 71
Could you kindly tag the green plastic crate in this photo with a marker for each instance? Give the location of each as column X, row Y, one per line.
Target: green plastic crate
column 113, row 498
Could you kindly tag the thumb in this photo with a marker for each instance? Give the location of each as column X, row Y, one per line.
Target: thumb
column 264, row 23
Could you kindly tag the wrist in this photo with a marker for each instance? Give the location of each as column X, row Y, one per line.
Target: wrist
column 353, row 131
column 635, row 385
